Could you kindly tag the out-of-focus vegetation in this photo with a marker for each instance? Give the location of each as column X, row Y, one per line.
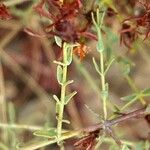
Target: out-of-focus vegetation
column 74, row 74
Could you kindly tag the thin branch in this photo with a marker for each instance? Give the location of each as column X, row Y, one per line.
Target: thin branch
column 20, row 126
column 92, row 129
column 109, row 123
column 106, row 127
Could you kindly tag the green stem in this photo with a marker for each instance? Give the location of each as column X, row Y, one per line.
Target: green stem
column 100, row 48
column 62, row 100
column 103, row 83
column 20, row 126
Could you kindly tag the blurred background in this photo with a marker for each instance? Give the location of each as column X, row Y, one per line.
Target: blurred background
column 28, row 76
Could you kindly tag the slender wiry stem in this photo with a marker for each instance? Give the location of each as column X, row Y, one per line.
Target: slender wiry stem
column 106, row 127
column 103, row 84
column 20, row 127
column 100, row 48
column 109, row 123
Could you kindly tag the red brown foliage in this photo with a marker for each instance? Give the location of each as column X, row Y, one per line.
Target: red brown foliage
column 65, row 20
column 4, row 13
column 88, row 142
column 141, row 21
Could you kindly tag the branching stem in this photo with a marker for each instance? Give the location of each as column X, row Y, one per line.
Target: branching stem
column 62, row 98
column 117, row 120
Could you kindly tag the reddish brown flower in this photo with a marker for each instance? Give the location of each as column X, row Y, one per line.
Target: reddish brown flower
column 65, row 19
column 141, row 19
column 88, row 142
column 81, row 51
column 110, row 12
column 4, row 13
column 128, row 35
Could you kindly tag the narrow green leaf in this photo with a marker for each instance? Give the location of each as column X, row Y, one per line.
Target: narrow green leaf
column 56, row 98
column 69, row 97
column 135, row 96
column 93, row 19
column 59, row 74
column 68, row 82
column 102, row 17
column 96, row 66
column 92, row 111
column 109, row 64
column 146, row 92
column 52, row 133
column 67, row 52
column 124, row 60
column 116, row 108
column 130, row 97
column 66, row 121
column 69, row 55
column 98, row 18
column 58, row 41
column 59, row 63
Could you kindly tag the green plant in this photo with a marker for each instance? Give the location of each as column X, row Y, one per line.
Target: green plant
column 62, row 79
